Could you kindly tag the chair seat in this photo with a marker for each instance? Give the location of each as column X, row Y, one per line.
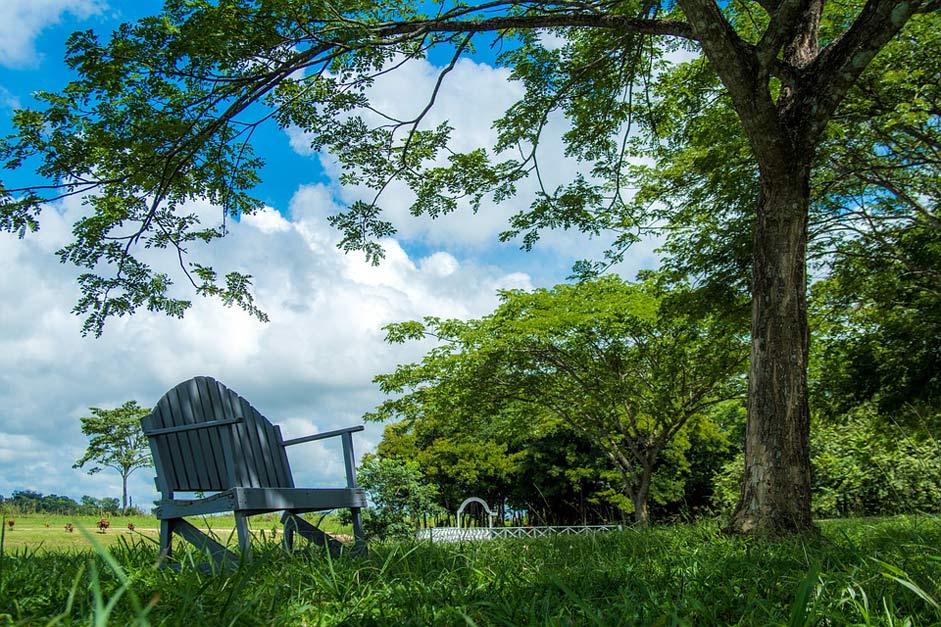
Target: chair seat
column 259, row 500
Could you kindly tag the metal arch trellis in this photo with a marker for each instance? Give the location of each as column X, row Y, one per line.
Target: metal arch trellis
column 475, row 499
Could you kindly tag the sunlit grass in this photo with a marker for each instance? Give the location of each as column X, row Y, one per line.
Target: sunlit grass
column 42, row 532
column 868, row 572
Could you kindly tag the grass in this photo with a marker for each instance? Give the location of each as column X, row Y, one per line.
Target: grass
column 43, row 532
column 866, row 572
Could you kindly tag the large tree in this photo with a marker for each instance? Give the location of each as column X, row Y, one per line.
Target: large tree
column 163, row 113
column 627, row 366
column 116, row 441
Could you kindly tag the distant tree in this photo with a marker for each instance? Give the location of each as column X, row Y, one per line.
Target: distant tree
column 878, row 324
column 110, row 505
column 116, row 441
column 457, row 457
column 399, row 494
column 25, row 501
column 628, row 366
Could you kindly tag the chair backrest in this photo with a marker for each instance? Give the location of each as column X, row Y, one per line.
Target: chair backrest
column 246, row 453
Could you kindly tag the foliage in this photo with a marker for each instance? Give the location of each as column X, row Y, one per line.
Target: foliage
column 453, row 457
column 116, row 441
column 872, row 572
column 878, row 320
column 399, row 497
column 876, row 175
column 863, row 466
column 32, row 502
column 190, row 79
column 537, row 467
column 627, row 366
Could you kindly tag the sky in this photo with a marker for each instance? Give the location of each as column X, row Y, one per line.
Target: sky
column 310, row 368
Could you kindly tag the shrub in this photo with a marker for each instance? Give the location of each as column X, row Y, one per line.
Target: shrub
column 861, row 467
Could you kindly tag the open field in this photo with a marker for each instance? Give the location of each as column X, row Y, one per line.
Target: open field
column 865, row 572
column 38, row 532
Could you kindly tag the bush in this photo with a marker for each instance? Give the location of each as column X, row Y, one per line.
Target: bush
column 861, row 467
column 864, row 467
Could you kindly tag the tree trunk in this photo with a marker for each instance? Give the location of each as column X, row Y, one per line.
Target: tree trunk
column 639, row 497
column 775, row 497
column 124, row 494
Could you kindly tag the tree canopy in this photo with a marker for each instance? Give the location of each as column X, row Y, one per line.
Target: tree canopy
column 627, row 366
column 116, row 441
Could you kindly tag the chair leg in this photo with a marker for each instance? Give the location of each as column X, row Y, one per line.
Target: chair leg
column 245, row 537
column 289, row 528
column 359, row 536
column 166, row 539
column 311, row 533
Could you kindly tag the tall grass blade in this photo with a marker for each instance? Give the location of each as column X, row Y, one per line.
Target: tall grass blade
column 800, row 613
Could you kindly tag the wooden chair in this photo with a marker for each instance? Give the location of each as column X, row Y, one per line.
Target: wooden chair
column 206, row 438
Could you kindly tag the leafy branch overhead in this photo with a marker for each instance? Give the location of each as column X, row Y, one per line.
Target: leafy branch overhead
column 163, row 114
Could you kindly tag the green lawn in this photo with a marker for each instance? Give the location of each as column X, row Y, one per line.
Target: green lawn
column 38, row 532
column 865, row 572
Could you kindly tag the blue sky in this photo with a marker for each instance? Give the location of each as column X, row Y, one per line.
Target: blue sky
column 310, row 368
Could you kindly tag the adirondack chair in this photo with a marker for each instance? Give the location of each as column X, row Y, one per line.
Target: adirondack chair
column 206, row 438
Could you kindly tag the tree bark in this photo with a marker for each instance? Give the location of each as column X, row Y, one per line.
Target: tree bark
column 124, row 477
column 639, row 497
column 775, row 497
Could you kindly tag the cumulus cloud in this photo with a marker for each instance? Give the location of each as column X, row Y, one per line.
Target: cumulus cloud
column 309, row 369
column 21, row 21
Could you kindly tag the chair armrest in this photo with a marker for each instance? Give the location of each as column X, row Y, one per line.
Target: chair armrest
column 192, row 427
column 321, row 436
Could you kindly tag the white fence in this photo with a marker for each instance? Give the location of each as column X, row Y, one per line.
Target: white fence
column 456, row 534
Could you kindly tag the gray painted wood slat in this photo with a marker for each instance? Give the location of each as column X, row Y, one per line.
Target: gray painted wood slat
column 284, row 458
column 209, row 447
column 218, row 553
column 192, row 414
column 349, row 462
column 156, row 452
column 255, row 443
column 180, row 508
column 269, row 453
column 212, row 445
column 226, row 436
column 293, row 522
column 168, row 442
column 297, row 499
column 242, row 458
column 183, row 461
column 279, row 458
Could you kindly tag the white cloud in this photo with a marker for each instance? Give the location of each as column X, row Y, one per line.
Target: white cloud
column 21, row 21
column 8, row 100
column 309, row 369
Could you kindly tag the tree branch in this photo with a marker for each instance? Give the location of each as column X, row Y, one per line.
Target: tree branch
column 840, row 64
column 746, row 80
column 572, row 20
